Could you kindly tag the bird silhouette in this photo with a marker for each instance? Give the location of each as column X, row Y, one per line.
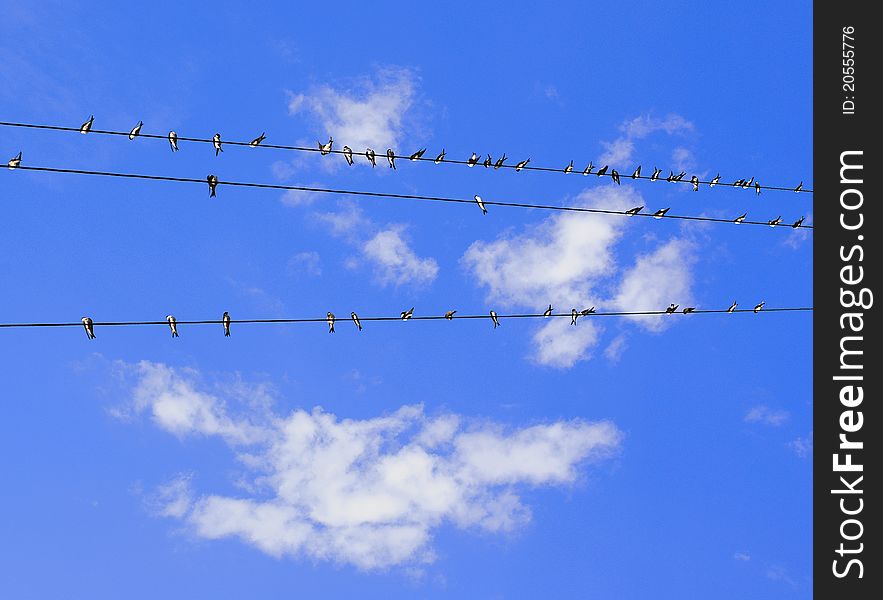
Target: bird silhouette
column 637, row 172
column 14, row 162
column 494, row 319
column 548, row 311
column 522, row 164
column 732, row 307
column 573, row 316
column 326, row 147
column 348, row 155
column 472, row 160
column 661, row 213
column 257, row 141
column 356, row 320
column 135, row 130
column 216, row 143
column 568, row 168
column 212, row 185
column 417, row 155
column 633, row 211
column 87, row 325
column 656, row 173
column 173, row 141
column 695, row 181
column 480, row 203
column 798, row 223
column 671, row 308
column 799, row 187
column 173, row 325
column 740, row 218
column 407, row 314
column 714, row 181
column 588, row 168
column 450, row 314
column 440, row 157
column 371, row 156
column 226, row 320
column 330, row 318
column 87, row 126
column 774, row 222
column 758, row 308
column 391, row 158
column 500, row 161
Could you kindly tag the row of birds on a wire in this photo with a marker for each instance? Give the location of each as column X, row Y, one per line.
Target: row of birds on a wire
column 406, row 315
column 212, row 180
column 474, row 160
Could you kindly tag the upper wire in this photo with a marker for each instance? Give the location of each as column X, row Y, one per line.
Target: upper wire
column 527, row 167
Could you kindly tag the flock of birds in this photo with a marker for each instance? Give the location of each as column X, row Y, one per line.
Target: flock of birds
column 475, row 159
column 405, row 315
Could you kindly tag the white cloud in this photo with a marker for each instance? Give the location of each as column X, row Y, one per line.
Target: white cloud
column 766, row 416
column 364, row 492
column 802, row 446
column 621, row 150
column 371, row 114
column 300, row 197
column 657, row 279
column 614, row 350
column 742, row 556
column 556, row 261
column 395, row 262
column 566, row 260
column 386, row 249
column 305, row 263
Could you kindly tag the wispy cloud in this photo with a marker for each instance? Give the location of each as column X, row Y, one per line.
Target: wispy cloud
column 766, row 416
column 742, row 556
column 371, row 113
column 305, row 263
column 621, row 150
column 802, row 446
column 386, row 249
column 363, row 492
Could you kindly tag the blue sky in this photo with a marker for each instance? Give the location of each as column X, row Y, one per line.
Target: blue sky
column 665, row 458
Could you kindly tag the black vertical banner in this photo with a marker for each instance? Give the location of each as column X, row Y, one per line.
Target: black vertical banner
column 847, row 237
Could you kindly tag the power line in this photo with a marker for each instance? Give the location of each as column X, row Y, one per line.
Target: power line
column 662, row 214
column 387, row 319
column 403, row 157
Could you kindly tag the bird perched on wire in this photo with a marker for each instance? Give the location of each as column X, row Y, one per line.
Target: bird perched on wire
column 568, row 168
column 687, row 310
column 656, row 173
column 714, row 180
column 633, row 211
column 450, row 314
column 472, row 160
column 522, row 164
column 695, row 181
column 774, row 222
column 14, row 162
column 671, row 308
column 739, row 183
column 212, row 185
column 326, row 147
column 732, row 307
column 748, row 183
column 615, row 176
column 661, row 213
column 348, row 155
column 798, row 223
column 329, row 318
column 500, row 161
column 257, row 141
column 407, row 314
column 216, row 143
column 573, row 316
column 87, row 126
column 740, row 218
column 173, row 325
column 757, row 188
column 671, row 176
column 173, row 141
column 637, row 172
column 602, row 171
column 440, row 157
column 418, row 155
column 226, row 321
column 586, row 311
column 391, row 158
column 87, row 325
column 494, row 319
column 758, row 307
column 680, row 176
column 371, row 156
column 356, row 320
column 799, row 187
column 136, row 130
column 480, row 203
column 548, row 312
column 487, row 162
